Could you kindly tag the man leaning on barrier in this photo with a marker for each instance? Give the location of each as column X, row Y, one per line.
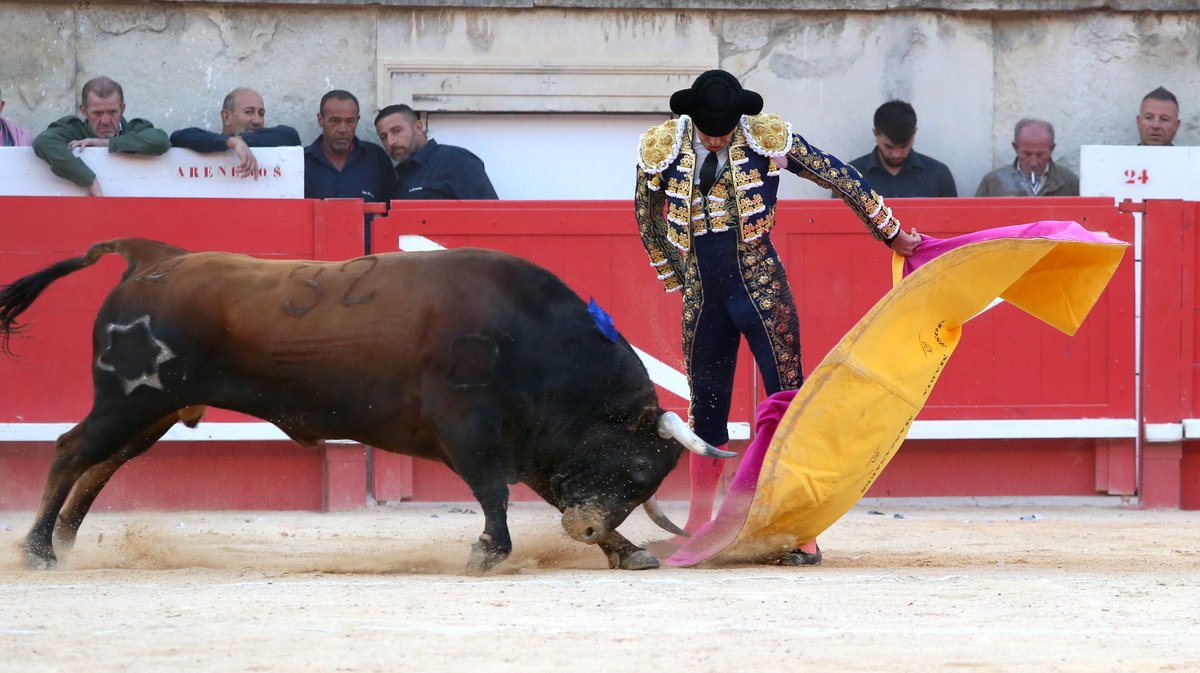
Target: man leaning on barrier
column 243, row 119
column 103, row 125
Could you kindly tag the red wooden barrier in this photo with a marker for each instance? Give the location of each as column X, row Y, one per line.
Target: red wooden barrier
column 1011, row 370
column 1189, row 477
column 1170, row 463
column 1020, row 410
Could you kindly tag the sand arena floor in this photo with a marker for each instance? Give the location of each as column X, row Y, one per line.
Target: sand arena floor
column 907, row 585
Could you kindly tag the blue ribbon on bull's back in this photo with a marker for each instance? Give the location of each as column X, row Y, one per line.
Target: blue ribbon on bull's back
column 603, row 320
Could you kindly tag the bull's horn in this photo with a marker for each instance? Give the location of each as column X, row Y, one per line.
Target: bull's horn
column 659, row 517
column 670, row 425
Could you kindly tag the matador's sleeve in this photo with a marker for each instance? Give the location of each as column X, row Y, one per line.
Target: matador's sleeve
column 846, row 182
column 649, row 203
column 770, row 135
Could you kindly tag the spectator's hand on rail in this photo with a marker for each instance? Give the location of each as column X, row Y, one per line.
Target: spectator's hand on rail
column 906, row 244
column 247, row 166
column 87, row 142
column 94, row 188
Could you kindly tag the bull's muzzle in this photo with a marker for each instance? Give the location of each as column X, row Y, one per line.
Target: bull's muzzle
column 584, row 525
column 671, row 426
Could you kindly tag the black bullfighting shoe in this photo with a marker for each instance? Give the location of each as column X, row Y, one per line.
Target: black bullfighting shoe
column 800, row 558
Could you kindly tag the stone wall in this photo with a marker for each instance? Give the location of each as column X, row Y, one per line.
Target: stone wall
column 971, row 69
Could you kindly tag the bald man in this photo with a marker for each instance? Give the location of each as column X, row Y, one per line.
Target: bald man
column 243, row 118
column 1033, row 172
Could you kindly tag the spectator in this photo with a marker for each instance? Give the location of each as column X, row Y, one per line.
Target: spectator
column 424, row 168
column 1158, row 118
column 338, row 164
column 893, row 168
column 1033, row 172
column 707, row 186
column 243, row 116
column 103, row 125
column 12, row 135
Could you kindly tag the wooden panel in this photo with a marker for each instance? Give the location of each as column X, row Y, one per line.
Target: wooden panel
column 182, row 476
column 989, row 468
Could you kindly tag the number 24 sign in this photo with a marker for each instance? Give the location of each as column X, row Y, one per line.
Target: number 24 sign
column 1134, row 176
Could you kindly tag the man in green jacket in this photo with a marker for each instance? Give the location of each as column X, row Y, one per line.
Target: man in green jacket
column 103, row 125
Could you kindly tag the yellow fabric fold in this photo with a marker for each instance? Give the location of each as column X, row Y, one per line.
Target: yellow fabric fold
column 852, row 414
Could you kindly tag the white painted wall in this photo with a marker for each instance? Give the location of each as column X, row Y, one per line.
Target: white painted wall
column 551, row 156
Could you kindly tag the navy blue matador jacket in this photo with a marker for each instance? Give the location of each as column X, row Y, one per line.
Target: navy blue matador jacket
column 717, row 249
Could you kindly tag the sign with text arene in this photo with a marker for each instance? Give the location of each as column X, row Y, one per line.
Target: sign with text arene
column 178, row 173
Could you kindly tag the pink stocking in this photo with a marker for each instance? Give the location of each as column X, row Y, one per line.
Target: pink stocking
column 705, row 475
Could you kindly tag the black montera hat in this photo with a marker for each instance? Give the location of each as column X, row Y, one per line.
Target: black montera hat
column 715, row 102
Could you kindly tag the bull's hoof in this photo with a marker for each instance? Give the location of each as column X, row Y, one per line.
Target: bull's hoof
column 40, row 559
column 638, row 560
column 800, row 558
column 483, row 558
column 64, row 541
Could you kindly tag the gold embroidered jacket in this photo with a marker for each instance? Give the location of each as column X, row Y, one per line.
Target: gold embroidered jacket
column 670, row 211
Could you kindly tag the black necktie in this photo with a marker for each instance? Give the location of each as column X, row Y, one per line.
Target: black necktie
column 708, row 172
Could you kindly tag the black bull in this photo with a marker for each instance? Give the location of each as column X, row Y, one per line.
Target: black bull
column 474, row 358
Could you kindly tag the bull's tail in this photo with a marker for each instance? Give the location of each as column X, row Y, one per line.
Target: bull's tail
column 20, row 295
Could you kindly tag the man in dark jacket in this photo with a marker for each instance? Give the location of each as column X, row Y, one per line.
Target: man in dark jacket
column 103, row 125
column 893, row 168
column 337, row 165
column 426, row 169
column 243, row 115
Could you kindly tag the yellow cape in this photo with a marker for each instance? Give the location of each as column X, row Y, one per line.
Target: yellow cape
column 855, row 409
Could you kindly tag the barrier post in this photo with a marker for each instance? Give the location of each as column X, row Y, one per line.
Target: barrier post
column 345, row 478
column 1168, row 307
column 339, row 233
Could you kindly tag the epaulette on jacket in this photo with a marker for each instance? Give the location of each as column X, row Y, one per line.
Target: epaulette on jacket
column 767, row 134
column 659, row 146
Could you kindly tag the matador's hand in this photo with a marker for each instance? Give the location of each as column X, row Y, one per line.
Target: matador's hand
column 906, row 244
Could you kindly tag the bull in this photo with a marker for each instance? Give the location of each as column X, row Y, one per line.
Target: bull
column 475, row 358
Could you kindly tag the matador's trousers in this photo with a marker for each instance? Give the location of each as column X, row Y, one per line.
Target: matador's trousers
column 736, row 288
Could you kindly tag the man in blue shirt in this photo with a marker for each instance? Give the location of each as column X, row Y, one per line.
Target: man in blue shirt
column 424, row 168
column 893, row 168
column 243, row 115
column 339, row 165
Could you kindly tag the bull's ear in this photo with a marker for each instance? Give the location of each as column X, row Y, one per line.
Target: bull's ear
column 473, row 361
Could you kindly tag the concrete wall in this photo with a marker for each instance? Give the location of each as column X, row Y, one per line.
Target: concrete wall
column 971, row 69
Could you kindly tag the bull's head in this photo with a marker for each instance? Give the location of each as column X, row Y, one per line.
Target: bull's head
column 624, row 468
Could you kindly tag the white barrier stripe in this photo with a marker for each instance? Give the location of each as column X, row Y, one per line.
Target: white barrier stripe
column 1164, row 432
column 663, row 374
column 1027, row 428
column 1068, row 428
column 739, row 431
column 413, row 243
column 1191, row 428
column 205, row 432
